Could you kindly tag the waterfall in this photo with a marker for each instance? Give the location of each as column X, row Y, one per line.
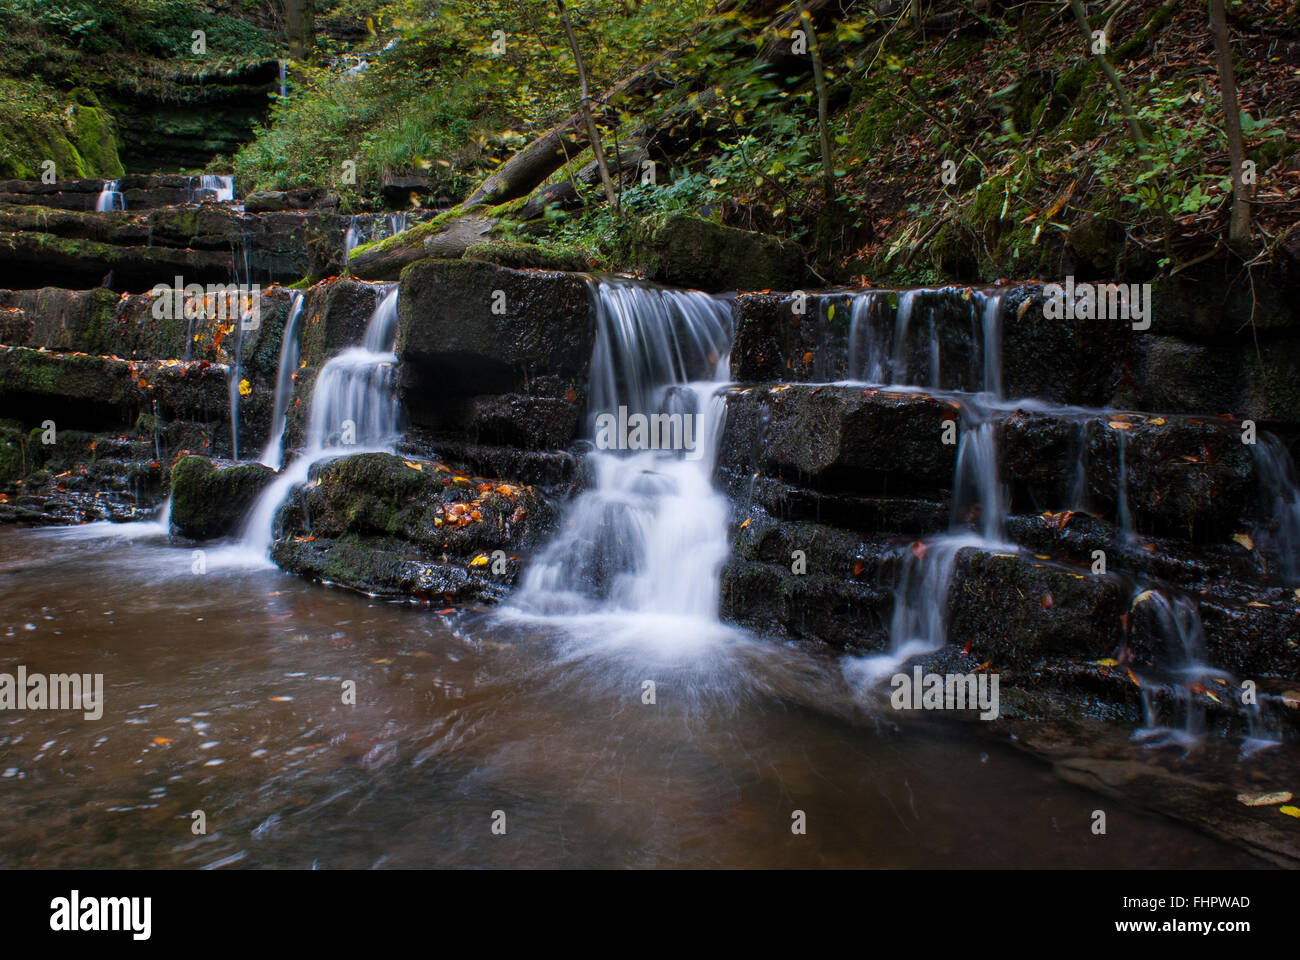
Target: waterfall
column 1186, row 674
column 353, row 409
column 283, row 74
column 214, row 187
column 918, row 623
column 1280, row 537
column 273, row 455
column 110, row 198
column 351, row 238
column 881, row 352
column 645, row 542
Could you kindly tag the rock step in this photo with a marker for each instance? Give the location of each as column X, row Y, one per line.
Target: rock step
column 1190, row 478
column 1185, row 362
column 1015, row 610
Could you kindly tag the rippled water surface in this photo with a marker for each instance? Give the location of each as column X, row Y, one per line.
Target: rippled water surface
column 224, row 694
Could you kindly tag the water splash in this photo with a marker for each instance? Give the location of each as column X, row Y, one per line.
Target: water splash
column 110, row 197
column 353, row 410
column 273, row 455
column 638, row 557
column 216, row 187
column 1280, row 537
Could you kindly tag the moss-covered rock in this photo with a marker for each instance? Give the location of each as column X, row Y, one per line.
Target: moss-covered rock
column 691, row 252
column 530, row 256
column 210, row 498
column 389, row 526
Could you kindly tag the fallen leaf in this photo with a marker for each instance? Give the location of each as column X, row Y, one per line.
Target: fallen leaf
column 161, row 740
column 918, row 549
column 1244, row 540
column 1264, row 799
column 480, row 561
column 746, row 523
column 414, row 466
column 1289, row 811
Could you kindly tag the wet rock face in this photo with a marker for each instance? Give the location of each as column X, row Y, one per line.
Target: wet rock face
column 1185, row 477
column 389, row 526
column 202, row 243
column 1017, row 611
column 690, row 252
column 493, row 355
column 211, row 498
column 839, row 438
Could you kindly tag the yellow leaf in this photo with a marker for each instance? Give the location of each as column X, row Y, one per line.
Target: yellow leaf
column 1119, row 425
column 746, row 523
column 245, row 388
column 1244, row 540
column 414, row 466
column 1157, row 421
column 1107, row 662
column 480, row 561
column 1289, row 811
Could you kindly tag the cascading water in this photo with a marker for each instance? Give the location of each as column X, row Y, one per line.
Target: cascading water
column 919, row 620
column 640, row 550
column 217, row 187
column 1281, row 536
column 110, row 198
column 353, row 410
column 1173, row 713
column 273, row 455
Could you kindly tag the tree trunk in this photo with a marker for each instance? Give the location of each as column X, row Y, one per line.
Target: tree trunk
column 819, row 79
column 1239, row 226
column 300, row 26
column 592, row 133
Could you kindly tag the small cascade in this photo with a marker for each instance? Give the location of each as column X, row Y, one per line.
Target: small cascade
column 991, row 343
column 351, row 238
column 645, row 542
column 1122, row 512
column 1280, row 537
column 353, row 409
column 1173, row 712
column 978, row 492
column 110, row 198
column 366, row 228
column 282, row 81
column 896, row 338
column 979, row 503
column 273, row 455
column 215, row 187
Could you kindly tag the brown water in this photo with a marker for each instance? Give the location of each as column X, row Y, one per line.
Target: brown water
column 224, row 694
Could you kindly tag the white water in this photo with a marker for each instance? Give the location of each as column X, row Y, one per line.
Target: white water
column 353, row 410
column 216, row 187
column 881, row 352
column 110, row 198
column 1281, row 537
column 919, row 623
column 638, row 555
column 273, row 455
